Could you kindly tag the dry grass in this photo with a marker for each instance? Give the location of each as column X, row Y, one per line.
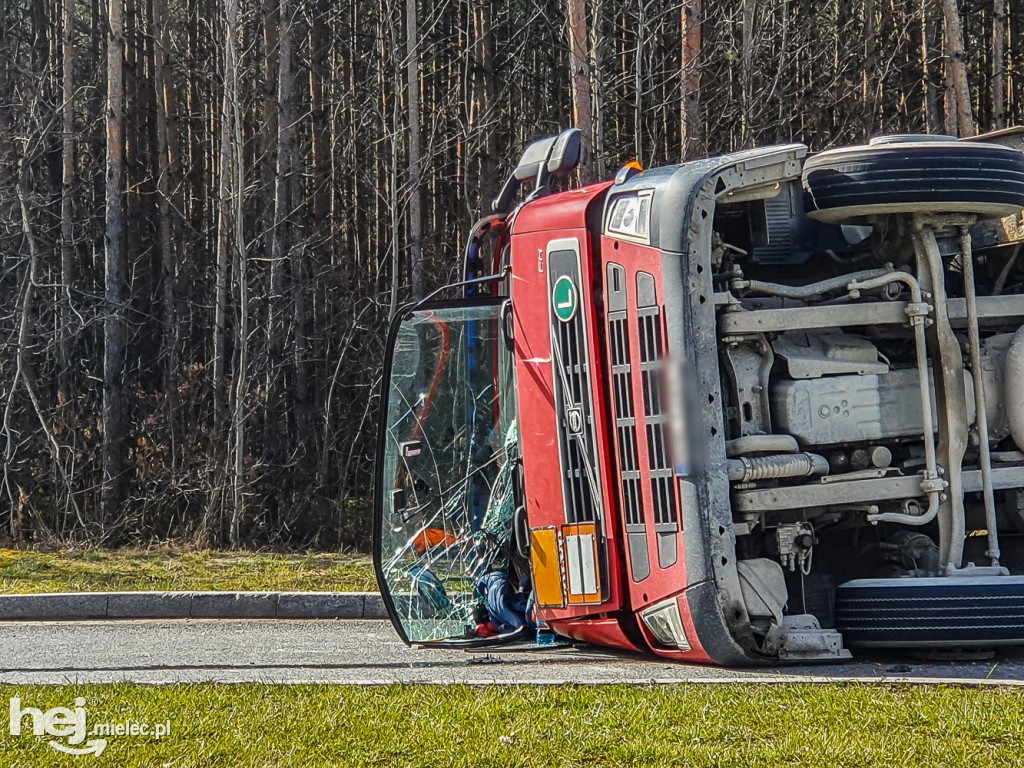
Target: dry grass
column 131, row 570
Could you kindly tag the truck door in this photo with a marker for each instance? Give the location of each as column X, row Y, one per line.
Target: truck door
column 446, row 449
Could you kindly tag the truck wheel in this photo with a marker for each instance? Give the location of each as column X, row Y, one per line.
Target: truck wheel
column 898, row 175
column 957, row 611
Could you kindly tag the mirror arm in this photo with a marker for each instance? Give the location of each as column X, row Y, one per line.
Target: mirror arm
column 543, row 186
column 503, row 203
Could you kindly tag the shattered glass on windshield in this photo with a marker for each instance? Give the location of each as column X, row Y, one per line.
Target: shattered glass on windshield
column 450, row 454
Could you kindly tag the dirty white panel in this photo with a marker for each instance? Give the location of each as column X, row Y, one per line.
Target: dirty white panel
column 579, row 551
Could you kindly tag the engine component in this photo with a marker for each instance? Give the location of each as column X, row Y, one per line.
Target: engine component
column 846, row 185
column 811, row 356
column 993, row 368
column 947, row 366
column 776, row 467
column 763, row 585
column 795, row 542
column 879, row 457
column 851, row 409
column 761, row 444
column 749, row 364
column 859, row 459
column 1013, row 378
column 804, row 292
column 911, row 554
column 918, row 310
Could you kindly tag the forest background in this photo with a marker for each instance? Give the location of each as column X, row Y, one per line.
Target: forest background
column 208, row 209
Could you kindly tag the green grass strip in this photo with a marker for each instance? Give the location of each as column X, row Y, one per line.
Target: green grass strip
column 685, row 725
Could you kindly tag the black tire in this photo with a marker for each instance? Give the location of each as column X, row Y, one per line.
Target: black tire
column 932, row 613
column 927, row 176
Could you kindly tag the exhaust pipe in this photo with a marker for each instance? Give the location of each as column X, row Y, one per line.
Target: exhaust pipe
column 776, row 467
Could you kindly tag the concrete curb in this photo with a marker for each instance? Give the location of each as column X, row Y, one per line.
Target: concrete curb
column 86, row 606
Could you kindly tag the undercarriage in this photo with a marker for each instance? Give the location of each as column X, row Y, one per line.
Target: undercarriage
column 872, row 362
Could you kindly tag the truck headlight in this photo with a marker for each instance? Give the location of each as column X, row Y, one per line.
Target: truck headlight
column 666, row 624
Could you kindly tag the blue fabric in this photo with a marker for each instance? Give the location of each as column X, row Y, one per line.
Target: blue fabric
column 507, row 610
column 430, row 588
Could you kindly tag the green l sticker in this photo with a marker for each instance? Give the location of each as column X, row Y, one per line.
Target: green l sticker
column 565, row 298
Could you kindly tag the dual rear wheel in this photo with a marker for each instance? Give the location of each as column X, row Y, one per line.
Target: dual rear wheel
column 914, row 174
column 905, row 175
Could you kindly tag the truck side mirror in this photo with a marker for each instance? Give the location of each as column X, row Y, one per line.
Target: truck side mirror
column 551, row 156
column 534, row 157
column 565, row 153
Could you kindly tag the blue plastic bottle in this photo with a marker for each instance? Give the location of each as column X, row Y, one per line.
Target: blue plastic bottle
column 545, row 635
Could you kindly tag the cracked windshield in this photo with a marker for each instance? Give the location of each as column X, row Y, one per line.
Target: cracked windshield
column 450, row 455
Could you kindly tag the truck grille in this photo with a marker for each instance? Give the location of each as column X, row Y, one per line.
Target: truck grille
column 652, row 354
column 625, row 423
column 659, row 461
column 573, row 398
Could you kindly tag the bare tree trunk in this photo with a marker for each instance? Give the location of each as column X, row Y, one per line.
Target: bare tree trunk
column 413, row 104
column 281, row 239
column 394, row 130
column 166, row 143
column 319, row 62
column 869, row 79
column 484, row 103
column 949, row 102
column 638, row 85
column 224, row 209
column 67, row 228
column 239, row 380
column 134, row 116
column 930, row 41
column 597, row 47
column 957, row 68
column 579, row 82
column 115, row 270
column 268, row 143
column 193, row 208
column 747, row 70
column 692, row 144
column 232, row 236
column 229, row 158
column 999, row 63
column 285, row 132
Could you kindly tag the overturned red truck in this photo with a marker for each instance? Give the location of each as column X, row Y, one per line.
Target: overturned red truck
column 758, row 407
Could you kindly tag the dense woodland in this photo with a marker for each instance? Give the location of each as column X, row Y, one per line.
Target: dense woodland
column 208, row 209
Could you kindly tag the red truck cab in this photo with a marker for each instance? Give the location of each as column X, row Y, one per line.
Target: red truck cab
column 593, row 420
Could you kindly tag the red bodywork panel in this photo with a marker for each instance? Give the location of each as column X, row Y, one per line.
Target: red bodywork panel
column 557, row 218
column 603, row 632
column 561, row 220
column 661, row 581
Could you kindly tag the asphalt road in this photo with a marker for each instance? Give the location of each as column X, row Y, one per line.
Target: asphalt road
column 367, row 652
